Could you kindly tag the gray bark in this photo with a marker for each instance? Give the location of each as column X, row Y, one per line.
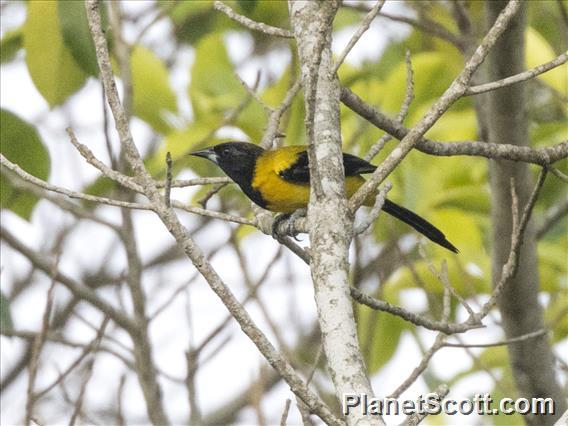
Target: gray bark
column 531, row 360
column 331, row 224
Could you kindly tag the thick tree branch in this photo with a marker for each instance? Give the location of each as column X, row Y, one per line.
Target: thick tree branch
column 541, row 156
column 514, row 257
column 184, row 240
column 329, row 220
column 453, row 93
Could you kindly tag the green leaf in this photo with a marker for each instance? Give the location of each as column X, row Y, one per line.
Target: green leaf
column 462, row 279
column 153, row 97
column 379, row 333
column 214, row 87
column 10, row 45
column 247, row 6
column 194, row 19
column 52, row 68
column 180, row 142
column 76, row 35
column 538, row 52
column 6, row 323
column 21, row 144
column 433, row 72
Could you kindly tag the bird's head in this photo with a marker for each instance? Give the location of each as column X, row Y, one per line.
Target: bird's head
column 236, row 159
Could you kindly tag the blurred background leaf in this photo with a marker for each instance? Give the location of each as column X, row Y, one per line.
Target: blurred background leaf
column 21, row 144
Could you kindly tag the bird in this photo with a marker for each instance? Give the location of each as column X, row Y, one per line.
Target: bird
column 279, row 180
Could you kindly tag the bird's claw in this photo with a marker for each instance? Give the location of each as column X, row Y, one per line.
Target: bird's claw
column 289, row 229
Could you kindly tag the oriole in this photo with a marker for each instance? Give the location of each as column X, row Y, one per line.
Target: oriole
column 279, row 181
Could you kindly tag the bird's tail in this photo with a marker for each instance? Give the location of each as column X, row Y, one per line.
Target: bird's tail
column 418, row 223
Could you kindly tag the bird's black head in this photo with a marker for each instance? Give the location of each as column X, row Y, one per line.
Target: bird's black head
column 236, row 159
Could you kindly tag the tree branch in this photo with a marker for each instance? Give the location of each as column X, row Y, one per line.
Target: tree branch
column 184, row 240
column 541, row 156
column 249, row 23
column 453, row 93
column 517, row 78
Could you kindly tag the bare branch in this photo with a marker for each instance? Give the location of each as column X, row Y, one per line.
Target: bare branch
column 71, row 194
column 510, row 267
column 552, row 216
column 195, row 182
column 375, row 211
column 169, row 178
column 61, row 202
column 284, row 416
column 408, row 97
column 416, row 319
column 527, row 336
column 184, row 240
column 365, row 24
column 423, row 24
column 89, row 348
column 249, row 23
column 452, row 94
column 126, row 181
column 541, row 156
column 81, row 291
column 415, row 419
column 517, row 78
column 36, row 351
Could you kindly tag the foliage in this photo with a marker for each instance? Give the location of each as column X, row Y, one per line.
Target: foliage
column 452, row 192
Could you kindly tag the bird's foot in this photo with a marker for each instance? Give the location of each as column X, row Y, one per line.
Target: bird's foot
column 288, row 229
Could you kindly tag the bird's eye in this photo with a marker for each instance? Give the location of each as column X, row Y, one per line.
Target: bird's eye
column 225, row 152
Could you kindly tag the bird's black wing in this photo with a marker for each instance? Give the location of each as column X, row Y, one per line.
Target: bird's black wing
column 356, row 166
column 299, row 172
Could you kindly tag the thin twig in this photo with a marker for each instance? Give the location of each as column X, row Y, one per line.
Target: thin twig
column 365, row 24
column 78, row 289
column 71, row 194
column 425, row 25
column 517, row 78
column 79, row 403
column 36, row 351
column 438, row 343
column 441, row 392
column 126, row 181
column 416, row 319
column 284, row 415
column 252, row 91
column 517, row 235
column 169, row 178
column 89, row 348
column 403, row 112
column 558, row 173
column 375, row 211
column 63, row 203
column 551, row 217
column 522, row 338
column 444, row 279
column 249, row 23
column 454, row 92
column 271, row 132
column 117, row 203
column 194, row 182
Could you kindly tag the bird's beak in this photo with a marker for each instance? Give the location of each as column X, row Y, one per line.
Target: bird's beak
column 208, row 153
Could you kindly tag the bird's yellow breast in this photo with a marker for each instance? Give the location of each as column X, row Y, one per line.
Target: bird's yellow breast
column 281, row 195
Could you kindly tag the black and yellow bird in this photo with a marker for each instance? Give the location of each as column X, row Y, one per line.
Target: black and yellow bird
column 279, row 180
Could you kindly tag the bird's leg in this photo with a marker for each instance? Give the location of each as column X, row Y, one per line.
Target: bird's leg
column 289, row 228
